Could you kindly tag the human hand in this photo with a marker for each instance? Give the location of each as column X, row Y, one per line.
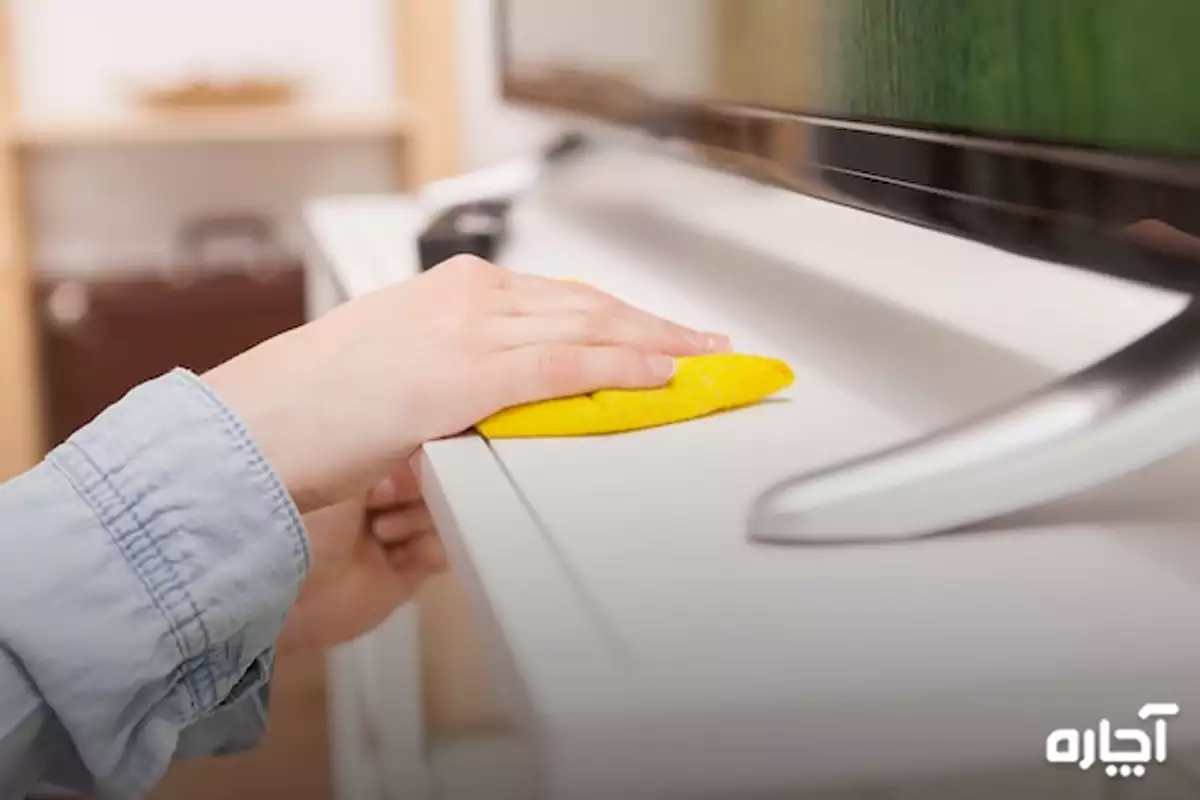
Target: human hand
column 339, row 402
column 371, row 555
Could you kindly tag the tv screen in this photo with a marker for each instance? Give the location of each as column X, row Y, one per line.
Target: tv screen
column 1062, row 129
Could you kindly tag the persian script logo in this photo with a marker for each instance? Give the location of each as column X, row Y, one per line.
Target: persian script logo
column 1086, row 748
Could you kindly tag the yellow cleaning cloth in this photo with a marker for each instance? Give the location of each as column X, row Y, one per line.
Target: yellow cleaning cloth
column 702, row 385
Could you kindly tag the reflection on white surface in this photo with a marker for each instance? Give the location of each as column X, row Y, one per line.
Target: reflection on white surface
column 1006, row 436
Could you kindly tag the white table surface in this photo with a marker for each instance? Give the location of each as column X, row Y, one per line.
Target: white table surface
column 651, row 649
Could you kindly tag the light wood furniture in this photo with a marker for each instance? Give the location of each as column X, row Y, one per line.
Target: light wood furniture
column 20, row 405
column 648, row 649
column 423, row 124
column 214, row 127
column 427, row 31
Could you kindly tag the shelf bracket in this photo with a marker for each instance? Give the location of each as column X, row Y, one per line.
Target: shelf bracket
column 1128, row 411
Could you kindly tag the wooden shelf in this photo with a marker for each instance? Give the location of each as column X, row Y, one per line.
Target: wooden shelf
column 216, row 126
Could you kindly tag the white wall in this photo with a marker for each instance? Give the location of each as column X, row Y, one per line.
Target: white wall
column 96, row 207
column 492, row 130
column 100, row 208
column 82, row 57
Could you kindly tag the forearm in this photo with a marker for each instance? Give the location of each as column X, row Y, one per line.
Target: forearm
column 153, row 559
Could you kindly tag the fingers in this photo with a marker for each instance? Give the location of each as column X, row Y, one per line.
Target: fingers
column 402, row 525
column 398, row 489
column 533, row 374
column 426, row 555
column 544, row 311
column 607, row 328
column 410, row 541
column 409, row 566
column 468, row 268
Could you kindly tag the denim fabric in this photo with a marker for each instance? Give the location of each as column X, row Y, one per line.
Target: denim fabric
column 146, row 568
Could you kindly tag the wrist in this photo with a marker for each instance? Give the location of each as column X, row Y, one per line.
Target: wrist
column 288, row 395
column 293, row 639
column 250, row 385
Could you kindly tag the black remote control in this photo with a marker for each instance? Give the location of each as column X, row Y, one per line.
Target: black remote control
column 476, row 229
column 479, row 227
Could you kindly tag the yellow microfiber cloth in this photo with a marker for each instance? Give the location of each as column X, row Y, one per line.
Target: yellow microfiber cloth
column 702, row 385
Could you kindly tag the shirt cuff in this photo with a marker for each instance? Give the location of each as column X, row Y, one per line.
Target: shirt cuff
column 239, row 724
column 209, row 554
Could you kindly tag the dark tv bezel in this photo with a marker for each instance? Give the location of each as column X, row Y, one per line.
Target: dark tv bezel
column 1057, row 201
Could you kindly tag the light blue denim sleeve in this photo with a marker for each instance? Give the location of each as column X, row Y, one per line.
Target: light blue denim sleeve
column 146, row 568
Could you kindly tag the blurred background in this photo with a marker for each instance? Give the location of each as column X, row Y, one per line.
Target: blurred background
column 155, row 156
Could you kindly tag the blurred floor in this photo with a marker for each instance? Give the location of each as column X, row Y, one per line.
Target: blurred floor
column 293, row 762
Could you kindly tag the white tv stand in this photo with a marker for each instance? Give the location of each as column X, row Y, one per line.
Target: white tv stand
column 652, row 648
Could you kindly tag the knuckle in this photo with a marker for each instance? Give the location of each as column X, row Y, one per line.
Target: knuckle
column 604, row 304
column 594, row 328
column 628, row 368
column 469, row 267
column 677, row 335
column 592, row 299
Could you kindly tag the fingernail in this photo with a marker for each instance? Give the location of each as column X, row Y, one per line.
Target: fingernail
column 379, row 493
column 389, row 493
column 717, row 343
column 662, row 367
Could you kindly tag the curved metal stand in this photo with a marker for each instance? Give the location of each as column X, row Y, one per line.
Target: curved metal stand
column 1126, row 412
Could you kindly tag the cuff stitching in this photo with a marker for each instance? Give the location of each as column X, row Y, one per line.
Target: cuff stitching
column 264, row 472
column 100, row 494
column 127, row 524
column 272, row 487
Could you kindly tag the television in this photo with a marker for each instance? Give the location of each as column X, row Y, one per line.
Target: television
column 1066, row 130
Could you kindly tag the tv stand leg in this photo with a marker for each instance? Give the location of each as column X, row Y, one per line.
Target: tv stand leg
column 1133, row 408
